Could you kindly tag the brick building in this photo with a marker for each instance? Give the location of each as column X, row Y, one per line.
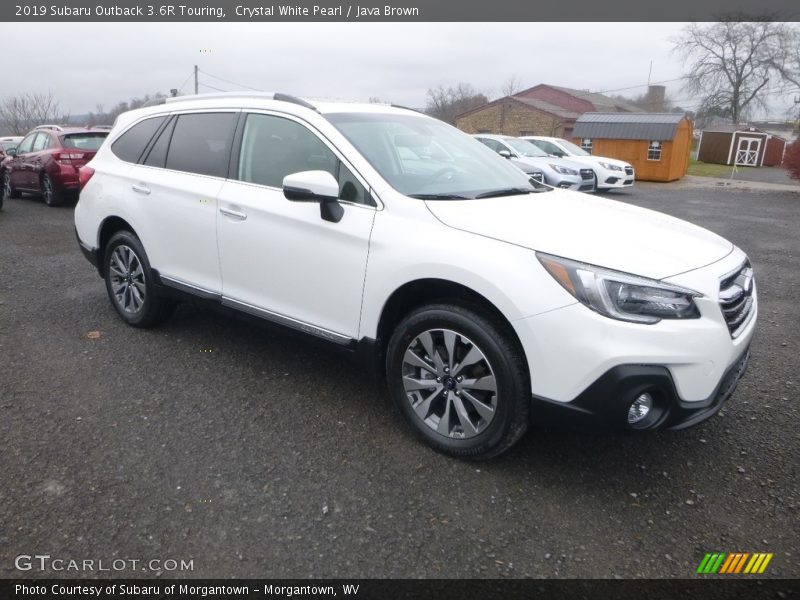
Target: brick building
column 540, row 110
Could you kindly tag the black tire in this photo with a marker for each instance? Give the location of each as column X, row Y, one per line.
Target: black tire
column 52, row 197
column 8, row 190
column 502, row 358
column 140, row 304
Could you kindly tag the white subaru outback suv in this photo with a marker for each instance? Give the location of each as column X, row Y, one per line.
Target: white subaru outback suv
column 486, row 303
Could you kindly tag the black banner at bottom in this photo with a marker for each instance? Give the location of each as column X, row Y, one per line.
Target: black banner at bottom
column 417, row 589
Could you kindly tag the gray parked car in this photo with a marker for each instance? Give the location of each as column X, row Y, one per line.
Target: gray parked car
column 558, row 172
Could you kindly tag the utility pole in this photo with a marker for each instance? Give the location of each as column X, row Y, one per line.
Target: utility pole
column 195, row 80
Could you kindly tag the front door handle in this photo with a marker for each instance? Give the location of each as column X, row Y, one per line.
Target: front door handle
column 233, row 214
column 140, row 188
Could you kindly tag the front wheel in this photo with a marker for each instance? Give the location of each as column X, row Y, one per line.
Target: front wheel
column 459, row 379
column 130, row 285
column 7, row 189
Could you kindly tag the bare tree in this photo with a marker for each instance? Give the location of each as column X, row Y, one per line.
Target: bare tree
column 447, row 104
column 19, row 114
column 107, row 118
column 511, row 86
column 732, row 62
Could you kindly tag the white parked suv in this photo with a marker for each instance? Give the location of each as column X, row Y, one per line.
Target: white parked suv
column 484, row 301
column 611, row 173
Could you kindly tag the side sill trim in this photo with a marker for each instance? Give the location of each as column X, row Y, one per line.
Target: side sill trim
column 190, row 289
column 332, row 336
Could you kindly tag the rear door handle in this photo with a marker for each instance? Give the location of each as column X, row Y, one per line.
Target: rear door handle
column 140, row 188
column 233, row 214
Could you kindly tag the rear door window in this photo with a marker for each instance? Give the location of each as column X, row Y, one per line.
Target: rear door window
column 201, row 143
column 41, row 142
column 131, row 144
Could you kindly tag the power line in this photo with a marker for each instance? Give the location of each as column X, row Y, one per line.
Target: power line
column 231, row 82
column 212, row 87
column 183, row 85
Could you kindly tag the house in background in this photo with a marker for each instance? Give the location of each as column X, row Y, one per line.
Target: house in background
column 656, row 144
column 541, row 110
column 740, row 145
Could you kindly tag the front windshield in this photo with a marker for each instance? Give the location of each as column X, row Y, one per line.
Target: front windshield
column 525, row 148
column 425, row 158
column 573, row 149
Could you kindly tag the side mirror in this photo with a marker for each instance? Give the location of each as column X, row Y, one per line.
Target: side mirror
column 504, row 153
column 11, row 151
column 315, row 186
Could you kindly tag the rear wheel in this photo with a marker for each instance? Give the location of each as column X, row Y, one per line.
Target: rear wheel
column 459, row 379
column 130, row 285
column 49, row 193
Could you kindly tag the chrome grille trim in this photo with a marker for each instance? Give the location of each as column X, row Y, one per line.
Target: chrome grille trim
column 736, row 298
column 587, row 174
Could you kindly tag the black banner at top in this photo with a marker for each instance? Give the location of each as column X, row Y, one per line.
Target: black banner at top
column 264, row 11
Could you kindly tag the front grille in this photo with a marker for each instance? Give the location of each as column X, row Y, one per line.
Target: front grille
column 537, row 177
column 628, row 170
column 587, row 174
column 736, row 298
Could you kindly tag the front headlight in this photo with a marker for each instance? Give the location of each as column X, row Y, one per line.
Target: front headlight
column 610, row 167
column 563, row 170
column 621, row 296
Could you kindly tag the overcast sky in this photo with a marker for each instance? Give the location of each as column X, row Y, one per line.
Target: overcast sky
column 87, row 64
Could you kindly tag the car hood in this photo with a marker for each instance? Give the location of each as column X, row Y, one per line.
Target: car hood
column 543, row 161
column 589, row 229
column 593, row 160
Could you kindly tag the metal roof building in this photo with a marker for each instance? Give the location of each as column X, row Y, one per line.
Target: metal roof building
column 656, row 144
column 628, row 126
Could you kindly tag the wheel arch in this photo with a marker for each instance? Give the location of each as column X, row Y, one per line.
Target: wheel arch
column 421, row 292
column 107, row 229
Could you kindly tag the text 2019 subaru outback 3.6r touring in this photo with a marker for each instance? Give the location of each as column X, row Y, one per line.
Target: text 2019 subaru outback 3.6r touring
column 487, row 302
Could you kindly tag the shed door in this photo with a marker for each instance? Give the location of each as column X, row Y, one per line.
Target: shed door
column 747, row 152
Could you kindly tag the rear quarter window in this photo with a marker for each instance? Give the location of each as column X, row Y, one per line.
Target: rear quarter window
column 131, row 144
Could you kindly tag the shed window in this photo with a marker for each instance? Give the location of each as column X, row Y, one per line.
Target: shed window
column 586, row 144
column 654, row 150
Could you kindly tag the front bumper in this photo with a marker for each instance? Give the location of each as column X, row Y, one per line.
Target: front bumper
column 604, row 405
column 571, row 182
column 609, row 180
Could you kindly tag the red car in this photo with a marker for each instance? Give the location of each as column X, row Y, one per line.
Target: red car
column 47, row 160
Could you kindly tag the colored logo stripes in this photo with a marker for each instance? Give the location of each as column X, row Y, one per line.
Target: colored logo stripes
column 734, row 563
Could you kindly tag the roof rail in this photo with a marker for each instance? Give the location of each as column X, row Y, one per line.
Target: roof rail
column 53, row 127
column 154, row 102
column 264, row 95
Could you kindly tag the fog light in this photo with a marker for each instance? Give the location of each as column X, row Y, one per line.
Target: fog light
column 640, row 409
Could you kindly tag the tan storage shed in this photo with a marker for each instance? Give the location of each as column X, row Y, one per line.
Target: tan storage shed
column 656, row 144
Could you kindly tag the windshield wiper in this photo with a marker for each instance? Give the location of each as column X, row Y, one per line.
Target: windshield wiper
column 440, row 197
column 513, row 191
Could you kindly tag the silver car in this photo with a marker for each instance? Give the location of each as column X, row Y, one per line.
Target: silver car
column 558, row 172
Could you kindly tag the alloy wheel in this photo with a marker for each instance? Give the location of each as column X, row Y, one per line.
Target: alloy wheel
column 449, row 383
column 127, row 279
column 47, row 190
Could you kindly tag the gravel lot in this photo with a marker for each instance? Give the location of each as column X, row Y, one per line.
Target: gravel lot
column 257, row 454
